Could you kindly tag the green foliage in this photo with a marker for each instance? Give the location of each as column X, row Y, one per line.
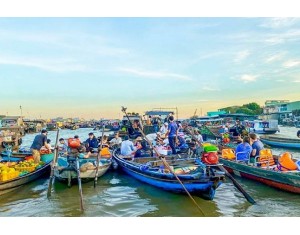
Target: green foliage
column 230, row 109
column 253, row 106
column 250, row 109
column 244, row 110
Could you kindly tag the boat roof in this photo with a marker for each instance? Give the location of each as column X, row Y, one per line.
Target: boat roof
column 11, row 117
column 158, row 112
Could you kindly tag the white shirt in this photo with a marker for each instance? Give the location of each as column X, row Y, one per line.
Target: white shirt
column 127, row 147
column 199, row 138
column 163, row 129
column 116, row 141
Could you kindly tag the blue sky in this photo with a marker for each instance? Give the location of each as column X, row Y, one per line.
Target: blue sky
column 90, row 67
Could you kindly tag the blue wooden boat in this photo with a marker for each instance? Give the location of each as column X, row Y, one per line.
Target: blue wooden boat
column 15, row 155
column 199, row 179
column 282, row 142
column 66, row 170
column 9, row 185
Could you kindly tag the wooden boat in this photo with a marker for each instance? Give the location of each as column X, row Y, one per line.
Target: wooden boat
column 5, row 154
column 284, row 180
column 198, row 179
column 280, row 141
column 263, row 126
column 9, row 185
column 67, row 168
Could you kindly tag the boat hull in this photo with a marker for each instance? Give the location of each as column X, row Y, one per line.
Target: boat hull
column 204, row 186
column 88, row 175
column 284, row 143
column 287, row 181
column 12, row 184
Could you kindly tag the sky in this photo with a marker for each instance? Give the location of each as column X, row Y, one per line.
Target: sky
column 90, row 67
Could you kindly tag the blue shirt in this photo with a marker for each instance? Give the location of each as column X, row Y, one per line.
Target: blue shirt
column 127, row 148
column 63, row 148
column 39, row 141
column 92, row 143
column 172, row 127
column 245, row 148
column 258, row 145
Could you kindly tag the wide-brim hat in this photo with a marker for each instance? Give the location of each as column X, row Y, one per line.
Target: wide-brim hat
column 139, row 138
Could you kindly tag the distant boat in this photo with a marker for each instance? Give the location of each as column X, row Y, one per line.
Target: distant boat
column 51, row 126
column 283, row 142
column 263, row 126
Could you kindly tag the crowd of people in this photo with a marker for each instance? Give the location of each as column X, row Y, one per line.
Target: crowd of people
column 170, row 133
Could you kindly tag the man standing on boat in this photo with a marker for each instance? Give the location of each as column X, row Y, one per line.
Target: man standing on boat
column 38, row 142
column 240, row 129
column 172, row 134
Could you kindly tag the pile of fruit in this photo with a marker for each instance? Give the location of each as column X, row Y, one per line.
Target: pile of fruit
column 7, row 171
column 27, row 165
column 226, row 138
column 11, row 170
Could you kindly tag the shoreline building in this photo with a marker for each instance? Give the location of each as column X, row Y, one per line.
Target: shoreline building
column 282, row 110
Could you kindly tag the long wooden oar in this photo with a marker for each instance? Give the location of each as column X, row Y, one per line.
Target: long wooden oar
column 53, row 165
column 167, row 165
column 79, row 184
column 98, row 158
column 235, row 183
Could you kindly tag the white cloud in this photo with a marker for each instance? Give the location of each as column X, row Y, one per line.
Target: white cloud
column 155, row 74
column 242, row 55
column 291, row 63
column 296, row 81
column 290, row 35
column 54, row 65
column 274, row 58
column 202, row 100
column 274, row 40
column 279, row 22
column 206, row 88
column 248, row 78
column 73, row 41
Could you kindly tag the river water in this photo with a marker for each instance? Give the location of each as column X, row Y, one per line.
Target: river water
column 119, row 195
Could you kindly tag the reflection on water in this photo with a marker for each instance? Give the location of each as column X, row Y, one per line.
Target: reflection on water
column 117, row 194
